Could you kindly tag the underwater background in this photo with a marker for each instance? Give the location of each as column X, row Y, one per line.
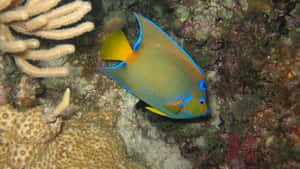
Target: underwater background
column 57, row 110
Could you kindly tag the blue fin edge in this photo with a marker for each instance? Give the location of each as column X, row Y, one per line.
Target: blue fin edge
column 113, row 78
column 141, row 33
column 135, row 48
column 115, row 67
column 139, row 40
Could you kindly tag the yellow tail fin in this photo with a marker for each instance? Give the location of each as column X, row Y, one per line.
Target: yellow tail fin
column 116, row 47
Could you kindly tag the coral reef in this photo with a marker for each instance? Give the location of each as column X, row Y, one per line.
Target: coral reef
column 249, row 52
column 36, row 18
column 28, row 89
column 87, row 145
column 25, row 134
column 200, row 20
column 143, row 141
column 3, row 92
column 29, row 140
column 255, row 66
column 3, row 95
column 252, row 65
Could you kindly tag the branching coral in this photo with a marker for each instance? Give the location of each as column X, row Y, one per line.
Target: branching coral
column 38, row 18
column 61, row 107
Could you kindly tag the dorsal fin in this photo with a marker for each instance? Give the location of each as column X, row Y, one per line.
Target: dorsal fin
column 152, row 34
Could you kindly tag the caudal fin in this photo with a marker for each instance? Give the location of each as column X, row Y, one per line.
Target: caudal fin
column 116, row 47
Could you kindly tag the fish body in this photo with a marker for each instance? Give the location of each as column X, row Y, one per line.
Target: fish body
column 158, row 71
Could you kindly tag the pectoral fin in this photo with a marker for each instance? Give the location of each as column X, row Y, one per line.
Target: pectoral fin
column 174, row 108
column 156, row 111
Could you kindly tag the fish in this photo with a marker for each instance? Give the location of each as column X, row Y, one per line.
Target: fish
column 156, row 70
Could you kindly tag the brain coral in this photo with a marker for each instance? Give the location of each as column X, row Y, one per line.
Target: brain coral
column 28, row 141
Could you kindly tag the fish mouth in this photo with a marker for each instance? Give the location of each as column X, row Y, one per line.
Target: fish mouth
column 207, row 112
column 202, row 115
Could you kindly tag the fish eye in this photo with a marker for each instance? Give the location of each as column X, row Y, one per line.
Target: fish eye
column 201, row 101
column 202, row 85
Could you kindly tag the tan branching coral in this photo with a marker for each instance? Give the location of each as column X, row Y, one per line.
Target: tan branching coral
column 38, row 18
column 60, row 108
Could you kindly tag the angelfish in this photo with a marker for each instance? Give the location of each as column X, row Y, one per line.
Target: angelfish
column 157, row 70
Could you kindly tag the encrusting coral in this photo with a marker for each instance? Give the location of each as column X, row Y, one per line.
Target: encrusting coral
column 38, row 18
column 35, row 139
column 24, row 134
column 86, row 145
